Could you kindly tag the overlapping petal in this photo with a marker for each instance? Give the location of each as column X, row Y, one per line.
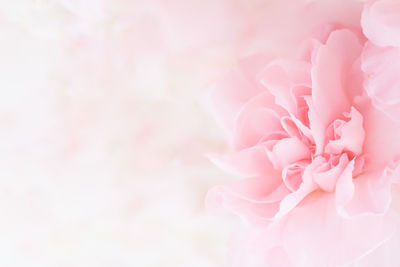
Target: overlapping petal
column 257, row 118
column 381, row 66
column 253, row 199
column 331, row 94
column 350, row 135
column 316, row 235
column 381, row 22
column 280, row 76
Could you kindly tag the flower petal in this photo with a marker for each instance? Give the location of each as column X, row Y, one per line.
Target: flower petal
column 287, row 151
column 292, row 174
column 281, row 75
column 327, row 180
column 307, row 186
column 258, row 118
column 331, row 94
column 351, row 135
column 371, row 195
column 344, row 188
column 382, row 84
column 386, row 255
column 255, row 200
column 245, row 163
column 380, row 21
column 315, row 235
column 382, row 142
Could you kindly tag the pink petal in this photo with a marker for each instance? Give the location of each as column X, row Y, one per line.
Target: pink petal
column 287, row 151
column 351, row 135
column 382, row 69
column 344, row 188
column 307, row 186
column 305, row 130
column 290, row 127
column 381, row 22
column 314, row 235
column 359, row 164
column 316, row 127
column 245, row 163
column 330, row 75
column 319, row 37
column 280, row 76
column 255, row 120
column 299, row 92
column 327, row 180
column 382, row 142
column 371, row 195
column 292, row 174
column 253, row 199
column 392, row 170
column 386, row 255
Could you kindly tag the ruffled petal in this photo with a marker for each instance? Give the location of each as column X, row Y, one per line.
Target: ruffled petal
column 287, row 151
column 351, row 135
column 293, row 173
column 327, row 180
column 317, row 128
column 281, row 75
column 258, row 118
column 307, row 186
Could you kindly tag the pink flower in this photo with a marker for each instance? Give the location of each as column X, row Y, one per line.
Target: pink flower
column 319, row 158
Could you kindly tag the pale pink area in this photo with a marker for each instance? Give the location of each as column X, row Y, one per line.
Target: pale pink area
column 381, row 68
column 381, row 22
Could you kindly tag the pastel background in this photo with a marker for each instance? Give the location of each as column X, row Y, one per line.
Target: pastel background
column 103, row 131
column 104, row 127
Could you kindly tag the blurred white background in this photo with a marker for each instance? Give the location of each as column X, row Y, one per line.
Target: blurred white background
column 104, row 130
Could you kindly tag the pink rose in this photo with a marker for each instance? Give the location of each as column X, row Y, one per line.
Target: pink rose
column 320, row 159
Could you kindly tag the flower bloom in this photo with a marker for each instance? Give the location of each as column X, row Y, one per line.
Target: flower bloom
column 316, row 140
